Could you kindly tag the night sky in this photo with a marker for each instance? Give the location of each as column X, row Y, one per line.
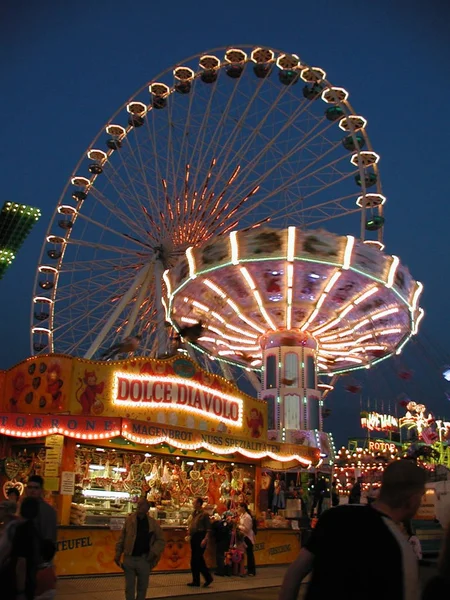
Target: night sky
column 66, row 67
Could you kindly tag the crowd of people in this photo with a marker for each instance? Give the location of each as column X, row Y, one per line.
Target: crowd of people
column 142, row 543
column 27, row 544
column 369, row 545
column 233, row 533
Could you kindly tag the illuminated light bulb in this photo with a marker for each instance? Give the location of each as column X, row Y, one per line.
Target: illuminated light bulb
column 328, row 338
column 360, row 324
column 239, row 330
column 291, row 244
column 215, row 288
column 218, row 317
column 189, row 320
column 393, row 268
column 384, row 313
column 320, row 301
column 348, row 252
column 416, row 296
column 346, row 310
column 310, row 320
column 349, row 359
column 403, row 344
column 243, row 318
column 201, row 306
column 166, row 308
column 289, row 315
column 191, row 262
column 41, row 330
column 326, row 327
column 417, row 321
column 248, row 278
column 234, row 248
column 332, row 281
column 290, row 275
column 366, row 295
column 167, row 282
column 263, row 310
column 42, row 299
column 389, row 331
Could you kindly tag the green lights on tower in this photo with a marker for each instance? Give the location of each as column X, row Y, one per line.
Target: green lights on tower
column 16, row 222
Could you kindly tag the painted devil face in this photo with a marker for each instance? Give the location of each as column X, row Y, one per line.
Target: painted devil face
column 90, row 378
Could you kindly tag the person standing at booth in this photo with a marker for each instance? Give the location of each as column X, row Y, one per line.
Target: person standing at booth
column 142, row 544
column 199, row 533
column 246, row 527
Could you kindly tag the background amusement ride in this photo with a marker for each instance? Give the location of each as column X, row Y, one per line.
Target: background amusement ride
column 194, row 223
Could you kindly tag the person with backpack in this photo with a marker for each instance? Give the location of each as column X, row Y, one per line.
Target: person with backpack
column 245, row 525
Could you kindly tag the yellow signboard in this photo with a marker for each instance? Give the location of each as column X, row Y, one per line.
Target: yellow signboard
column 174, row 392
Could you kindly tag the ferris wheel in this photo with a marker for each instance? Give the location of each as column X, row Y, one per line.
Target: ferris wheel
column 230, row 139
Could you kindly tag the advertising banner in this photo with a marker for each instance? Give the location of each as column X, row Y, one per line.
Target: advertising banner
column 77, row 426
column 174, row 392
column 86, row 551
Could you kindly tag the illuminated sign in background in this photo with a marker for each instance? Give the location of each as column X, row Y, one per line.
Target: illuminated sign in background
column 374, row 421
column 417, row 417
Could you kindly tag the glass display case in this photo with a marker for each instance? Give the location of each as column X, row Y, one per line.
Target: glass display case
column 109, row 481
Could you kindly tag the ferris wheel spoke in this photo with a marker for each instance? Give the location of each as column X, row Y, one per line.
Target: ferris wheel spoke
column 123, row 236
column 114, row 314
column 224, row 159
column 215, row 137
column 103, row 264
column 285, row 159
column 117, row 213
column 147, row 166
column 183, row 156
column 97, row 246
column 285, row 185
column 131, row 201
column 78, row 315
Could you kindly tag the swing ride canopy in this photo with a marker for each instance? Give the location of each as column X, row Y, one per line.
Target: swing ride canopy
column 358, row 304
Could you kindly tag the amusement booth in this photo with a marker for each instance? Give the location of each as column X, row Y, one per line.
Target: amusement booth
column 102, row 434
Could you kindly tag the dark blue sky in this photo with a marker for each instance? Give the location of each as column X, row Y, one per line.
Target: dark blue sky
column 66, row 67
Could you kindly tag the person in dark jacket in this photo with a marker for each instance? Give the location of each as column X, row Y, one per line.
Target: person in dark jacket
column 320, row 490
column 45, row 522
column 355, row 493
column 199, row 530
column 221, row 531
column 24, row 558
